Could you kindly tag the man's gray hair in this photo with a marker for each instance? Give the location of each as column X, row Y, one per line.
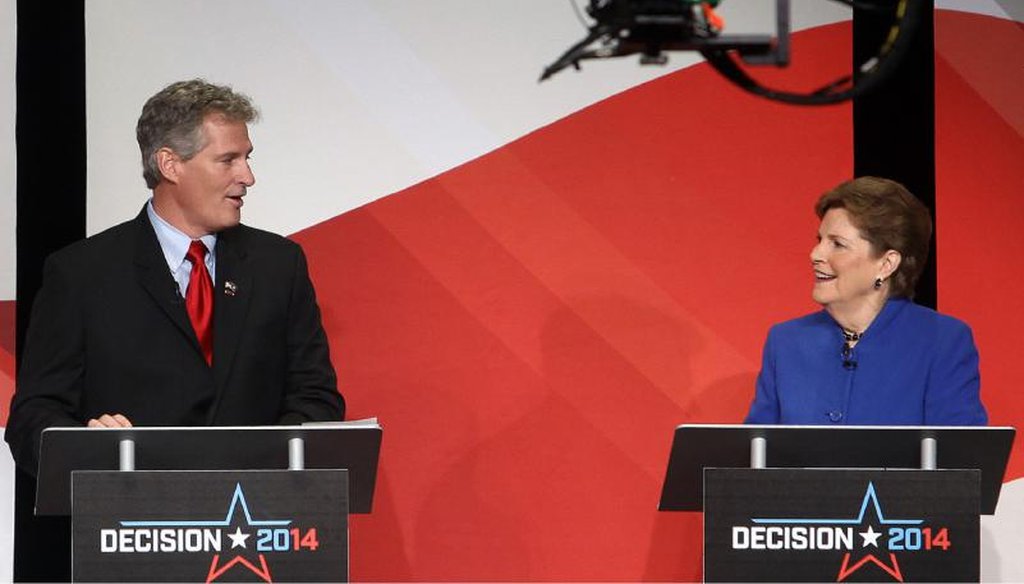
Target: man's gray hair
column 173, row 118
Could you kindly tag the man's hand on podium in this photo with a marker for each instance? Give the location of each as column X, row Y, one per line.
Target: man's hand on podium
column 110, row 421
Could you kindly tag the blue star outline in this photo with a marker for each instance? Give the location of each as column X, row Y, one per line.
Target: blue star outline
column 237, row 499
column 869, row 497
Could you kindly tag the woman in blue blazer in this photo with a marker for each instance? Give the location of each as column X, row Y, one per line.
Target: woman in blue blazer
column 871, row 356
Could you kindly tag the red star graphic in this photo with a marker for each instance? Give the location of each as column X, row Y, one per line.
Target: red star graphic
column 216, row 572
column 893, row 570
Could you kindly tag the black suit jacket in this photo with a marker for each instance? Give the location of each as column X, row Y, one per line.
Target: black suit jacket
column 109, row 333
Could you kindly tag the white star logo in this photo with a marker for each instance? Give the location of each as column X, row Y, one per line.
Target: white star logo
column 870, row 537
column 238, row 538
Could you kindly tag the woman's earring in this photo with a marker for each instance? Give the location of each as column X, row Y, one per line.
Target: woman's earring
column 878, row 283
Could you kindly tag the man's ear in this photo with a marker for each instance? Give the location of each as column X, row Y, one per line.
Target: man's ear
column 169, row 164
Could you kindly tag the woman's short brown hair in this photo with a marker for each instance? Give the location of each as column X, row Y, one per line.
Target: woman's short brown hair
column 888, row 217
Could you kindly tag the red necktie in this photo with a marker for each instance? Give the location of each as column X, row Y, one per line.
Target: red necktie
column 199, row 299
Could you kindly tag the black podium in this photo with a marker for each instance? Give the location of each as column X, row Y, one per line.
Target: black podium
column 266, row 503
column 817, row 503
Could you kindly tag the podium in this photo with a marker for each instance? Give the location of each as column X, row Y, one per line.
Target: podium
column 264, row 503
column 849, row 503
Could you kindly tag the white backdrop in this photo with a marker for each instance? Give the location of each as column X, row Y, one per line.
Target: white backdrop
column 8, row 168
column 360, row 98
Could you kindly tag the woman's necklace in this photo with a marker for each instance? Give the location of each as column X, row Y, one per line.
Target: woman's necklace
column 850, row 336
column 851, row 339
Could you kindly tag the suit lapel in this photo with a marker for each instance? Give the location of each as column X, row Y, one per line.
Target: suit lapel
column 155, row 277
column 232, row 293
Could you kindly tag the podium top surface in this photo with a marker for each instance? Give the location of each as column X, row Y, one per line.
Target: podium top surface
column 345, row 445
column 699, row 446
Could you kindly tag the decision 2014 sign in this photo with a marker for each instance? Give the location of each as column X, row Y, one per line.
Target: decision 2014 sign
column 789, row 525
column 211, row 526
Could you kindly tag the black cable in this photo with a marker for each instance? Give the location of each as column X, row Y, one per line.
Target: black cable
column 871, row 72
column 579, row 14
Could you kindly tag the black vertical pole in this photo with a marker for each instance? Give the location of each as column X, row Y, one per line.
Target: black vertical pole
column 50, row 141
column 894, row 125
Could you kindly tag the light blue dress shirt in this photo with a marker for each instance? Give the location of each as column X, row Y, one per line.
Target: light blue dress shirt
column 175, row 244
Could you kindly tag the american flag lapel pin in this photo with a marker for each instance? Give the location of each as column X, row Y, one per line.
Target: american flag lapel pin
column 230, row 288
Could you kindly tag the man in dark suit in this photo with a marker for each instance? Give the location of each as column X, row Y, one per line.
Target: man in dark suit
column 181, row 316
